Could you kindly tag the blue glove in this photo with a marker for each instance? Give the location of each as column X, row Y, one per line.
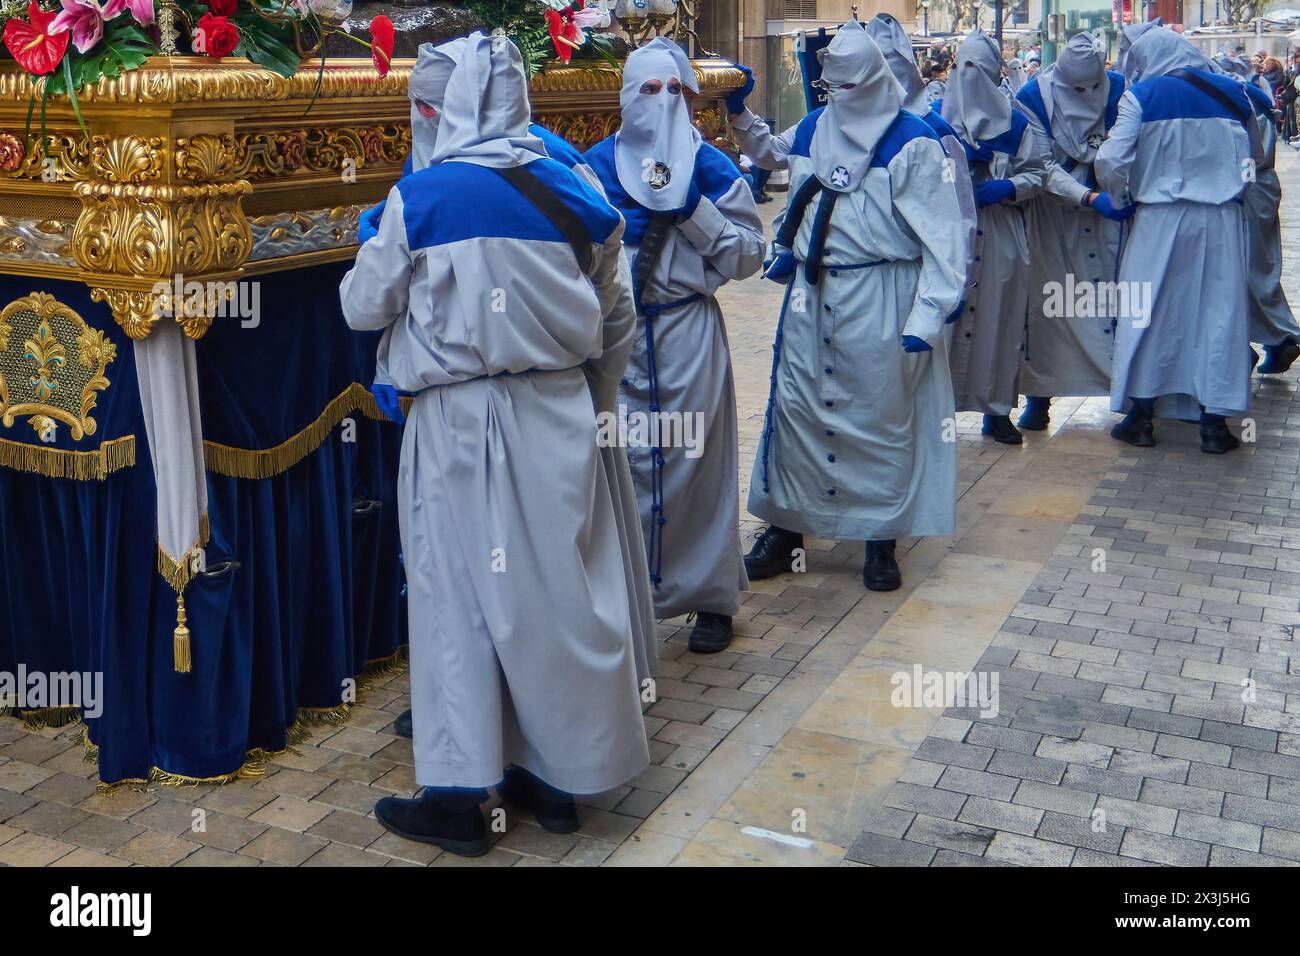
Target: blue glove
column 912, row 344
column 1105, row 206
column 736, row 98
column 993, row 191
column 956, row 313
column 978, row 154
column 780, row 268
column 368, row 222
column 692, row 202
column 387, row 399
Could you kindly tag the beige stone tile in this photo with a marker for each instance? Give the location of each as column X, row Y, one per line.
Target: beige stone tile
column 647, row 848
column 858, row 705
column 827, row 783
column 1034, row 499
column 724, row 843
column 1013, row 536
column 31, row 849
column 700, row 795
column 290, row 813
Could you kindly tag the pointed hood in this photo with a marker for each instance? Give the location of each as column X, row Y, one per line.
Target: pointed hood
column 973, row 102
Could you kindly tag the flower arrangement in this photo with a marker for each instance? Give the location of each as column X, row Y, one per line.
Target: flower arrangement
column 546, row 30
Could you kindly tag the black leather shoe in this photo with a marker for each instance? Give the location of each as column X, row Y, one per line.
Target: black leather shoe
column 425, row 820
column 1139, row 432
column 881, row 573
column 402, row 725
column 772, row 553
column 1216, row 439
column 1035, row 417
column 1278, row 358
column 554, row 809
column 712, row 633
column 1001, row 429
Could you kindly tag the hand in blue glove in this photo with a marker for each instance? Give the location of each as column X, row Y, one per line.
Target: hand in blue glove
column 736, row 98
column 780, row 268
column 1105, row 206
column 956, row 313
column 912, row 344
column 387, row 399
column 692, row 202
column 368, row 222
column 978, row 154
column 993, row 191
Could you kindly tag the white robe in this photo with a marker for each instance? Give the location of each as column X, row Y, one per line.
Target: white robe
column 521, row 649
column 1271, row 318
column 1070, row 245
column 1185, row 247
column 857, row 438
column 697, row 558
column 988, row 338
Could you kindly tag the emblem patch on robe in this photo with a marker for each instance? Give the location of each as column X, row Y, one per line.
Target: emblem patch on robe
column 51, row 365
column 660, row 176
column 840, row 177
column 1095, row 140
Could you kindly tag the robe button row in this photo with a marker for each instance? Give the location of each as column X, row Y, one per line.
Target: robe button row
column 830, row 458
column 826, row 338
column 828, row 370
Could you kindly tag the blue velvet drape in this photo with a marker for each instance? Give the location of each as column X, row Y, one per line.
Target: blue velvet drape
column 303, row 580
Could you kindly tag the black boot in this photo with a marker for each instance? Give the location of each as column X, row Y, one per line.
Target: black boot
column 1000, row 427
column 1035, row 417
column 1278, row 358
column 712, row 633
column 881, row 573
column 402, row 725
column 554, row 809
column 1215, row 437
column 1137, row 428
column 772, row 553
column 449, row 819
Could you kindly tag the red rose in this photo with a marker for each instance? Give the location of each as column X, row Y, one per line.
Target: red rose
column 215, row 36
column 223, row 8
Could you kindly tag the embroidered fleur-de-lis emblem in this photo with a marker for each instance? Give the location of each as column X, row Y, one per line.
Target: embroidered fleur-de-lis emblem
column 46, row 354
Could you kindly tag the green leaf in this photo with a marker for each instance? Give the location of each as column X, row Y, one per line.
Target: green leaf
column 267, row 47
column 72, row 94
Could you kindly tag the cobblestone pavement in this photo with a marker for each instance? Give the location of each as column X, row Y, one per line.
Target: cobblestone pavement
column 1121, row 738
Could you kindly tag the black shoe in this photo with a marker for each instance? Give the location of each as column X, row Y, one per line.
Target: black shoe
column 1137, row 431
column 402, row 725
column 712, row 633
column 1278, row 358
column 1035, row 417
column 554, row 809
column 1216, row 439
column 772, row 553
column 881, row 573
column 1000, row 427
column 425, row 820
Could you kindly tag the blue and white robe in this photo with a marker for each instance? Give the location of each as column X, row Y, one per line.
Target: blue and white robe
column 988, row 339
column 690, row 504
column 1185, row 158
column 521, row 649
column 858, row 440
column 1071, row 248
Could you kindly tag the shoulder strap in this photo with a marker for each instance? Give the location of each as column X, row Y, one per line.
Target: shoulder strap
column 1224, row 100
column 652, row 245
column 554, row 209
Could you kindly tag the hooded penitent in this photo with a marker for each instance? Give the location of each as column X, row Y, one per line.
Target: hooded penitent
column 1127, row 37
column 428, row 86
column 973, row 102
column 1157, row 52
column 893, row 41
column 654, row 149
column 1075, row 90
column 1016, row 75
column 484, row 116
column 862, row 100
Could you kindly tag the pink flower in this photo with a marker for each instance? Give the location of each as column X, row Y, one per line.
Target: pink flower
column 85, row 18
column 142, row 10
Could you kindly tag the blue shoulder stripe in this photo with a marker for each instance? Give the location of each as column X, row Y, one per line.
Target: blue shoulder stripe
column 1172, row 98
column 1262, row 102
column 454, row 201
column 905, row 128
column 804, row 133
column 1009, row 141
column 1031, row 97
column 940, row 125
column 1117, row 87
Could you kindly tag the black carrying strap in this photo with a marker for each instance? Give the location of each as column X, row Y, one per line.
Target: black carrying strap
column 554, row 209
column 794, row 215
column 1224, row 100
column 648, row 252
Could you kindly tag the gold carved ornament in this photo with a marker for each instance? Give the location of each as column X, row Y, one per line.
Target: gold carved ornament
column 52, row 365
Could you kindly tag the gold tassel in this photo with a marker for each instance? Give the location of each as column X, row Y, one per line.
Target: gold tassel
column 111, row 456
column 181, row 639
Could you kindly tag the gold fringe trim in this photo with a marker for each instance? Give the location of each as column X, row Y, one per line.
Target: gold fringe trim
column 255, row 760
column 179, row 573
column 112, row 456
column 44, row 717
column 269, row 462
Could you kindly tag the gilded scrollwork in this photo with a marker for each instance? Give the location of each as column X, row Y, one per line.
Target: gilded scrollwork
column 127, row 159
column 52, row 365
column 205, row 157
